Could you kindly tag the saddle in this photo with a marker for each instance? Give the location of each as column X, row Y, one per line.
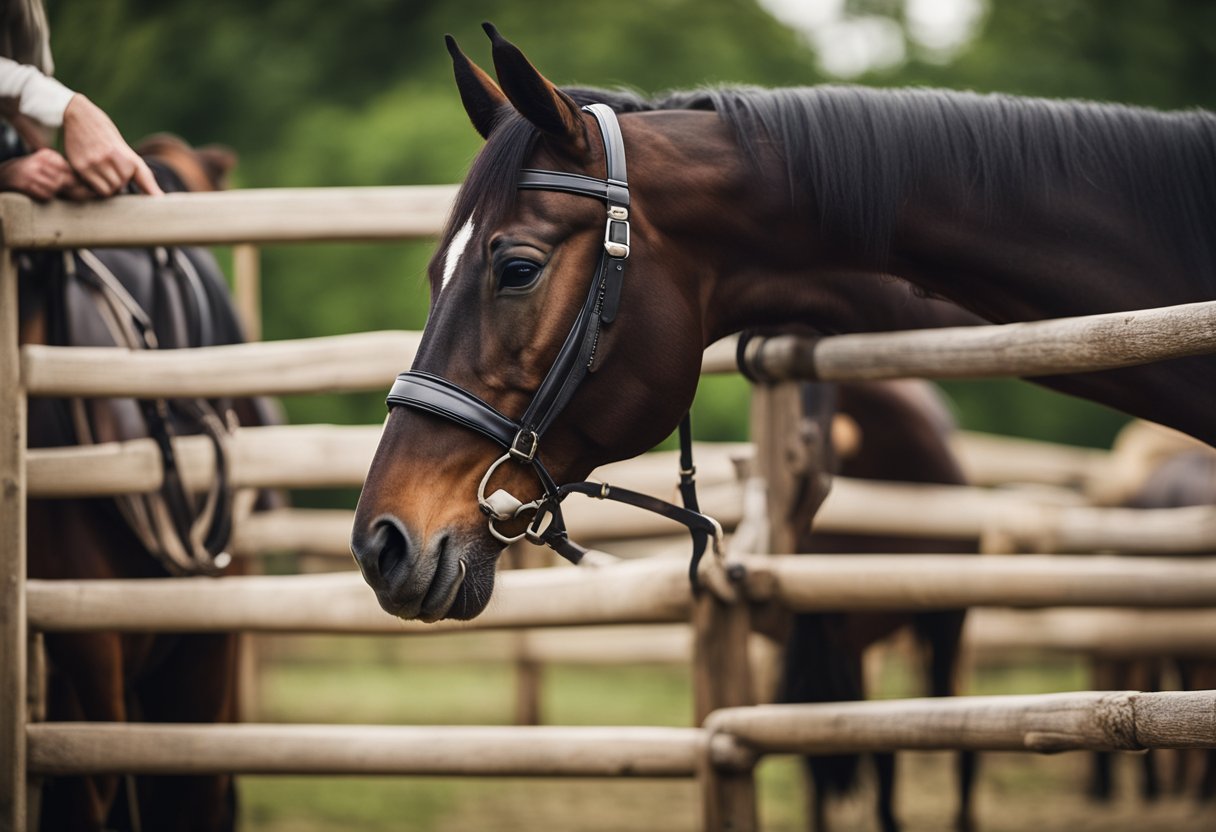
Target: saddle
column 159, row 298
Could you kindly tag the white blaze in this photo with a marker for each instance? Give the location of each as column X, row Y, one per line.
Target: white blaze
column 455, row 250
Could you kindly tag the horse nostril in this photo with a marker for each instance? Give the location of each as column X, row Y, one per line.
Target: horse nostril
column 392, row 543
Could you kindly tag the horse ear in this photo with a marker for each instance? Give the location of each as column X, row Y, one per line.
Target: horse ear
column 536, row 98
column 480, row 95
column 218, row 161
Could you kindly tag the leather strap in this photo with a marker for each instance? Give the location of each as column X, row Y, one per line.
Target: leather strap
column 574, row 183
column 688, row 471
column 439, row 397
column 699, row 526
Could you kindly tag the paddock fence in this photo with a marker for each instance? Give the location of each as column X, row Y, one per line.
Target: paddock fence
column 1170, row 593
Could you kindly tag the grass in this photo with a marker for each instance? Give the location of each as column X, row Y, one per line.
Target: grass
column 449, row 681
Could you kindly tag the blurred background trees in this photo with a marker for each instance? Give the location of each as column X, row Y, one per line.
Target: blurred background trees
column 360, row 93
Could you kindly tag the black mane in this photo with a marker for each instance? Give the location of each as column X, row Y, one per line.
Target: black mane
column 856, row 153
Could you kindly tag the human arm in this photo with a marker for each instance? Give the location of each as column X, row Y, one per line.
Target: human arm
column 37, row 96
column 92, row 144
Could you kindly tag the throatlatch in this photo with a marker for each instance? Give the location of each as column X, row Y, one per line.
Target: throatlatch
column 521, row 438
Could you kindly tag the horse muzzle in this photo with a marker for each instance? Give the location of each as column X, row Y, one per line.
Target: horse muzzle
column 412, row 578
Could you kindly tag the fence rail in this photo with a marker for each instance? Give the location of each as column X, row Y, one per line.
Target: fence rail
column 1039, row 348
column 313, row 456
column 1096, row 721
column 630, row 592
column 733, row 738
column 278, row 215
column 371, row 360
column 807, row 583
column 1120, row 633
column 640, row 592
column 453, row 750
column 339, row 363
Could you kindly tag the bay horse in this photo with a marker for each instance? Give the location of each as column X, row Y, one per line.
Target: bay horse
column 111, row 676
column 738, row 206
column 905, row 428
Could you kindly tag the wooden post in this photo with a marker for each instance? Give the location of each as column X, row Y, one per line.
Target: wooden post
column 528, row 671
column 247, row 288
column 248, row 677
column 721, row 665
column 721, row 679
column 35, row 704
column 12, row 558
column 776, row 429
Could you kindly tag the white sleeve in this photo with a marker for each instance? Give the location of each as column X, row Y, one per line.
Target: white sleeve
column 41, row 98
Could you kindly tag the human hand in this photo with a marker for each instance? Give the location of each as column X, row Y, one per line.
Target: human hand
column 42, row 174
column 98, row 153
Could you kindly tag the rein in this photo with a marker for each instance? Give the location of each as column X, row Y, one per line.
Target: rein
column 577, row 357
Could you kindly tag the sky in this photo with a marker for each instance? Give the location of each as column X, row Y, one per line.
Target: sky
column 850, row 45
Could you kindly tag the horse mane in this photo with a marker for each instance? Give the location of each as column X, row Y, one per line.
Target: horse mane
column 854, row 154
column 861, row 152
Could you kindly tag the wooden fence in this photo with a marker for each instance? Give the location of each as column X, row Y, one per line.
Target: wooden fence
column 722, row 752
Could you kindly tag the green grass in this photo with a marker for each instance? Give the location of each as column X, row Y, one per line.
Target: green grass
column 445, row 680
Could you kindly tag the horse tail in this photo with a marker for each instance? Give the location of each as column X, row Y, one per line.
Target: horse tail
column 821, row 666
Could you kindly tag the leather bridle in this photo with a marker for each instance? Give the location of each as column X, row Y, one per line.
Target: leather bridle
column 521, row 438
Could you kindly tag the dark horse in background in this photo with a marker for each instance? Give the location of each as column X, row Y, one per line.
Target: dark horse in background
column 752, row 208
column 1184, row 478
column 112, row 676
column 905, row 429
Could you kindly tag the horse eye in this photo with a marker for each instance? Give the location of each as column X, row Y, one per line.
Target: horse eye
column 518, row 274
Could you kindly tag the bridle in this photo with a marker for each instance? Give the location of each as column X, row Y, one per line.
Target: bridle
column 521, row 438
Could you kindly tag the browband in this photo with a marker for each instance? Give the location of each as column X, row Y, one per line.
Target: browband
column 574, row 183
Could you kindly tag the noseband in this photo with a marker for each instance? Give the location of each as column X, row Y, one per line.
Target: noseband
column 521, row 438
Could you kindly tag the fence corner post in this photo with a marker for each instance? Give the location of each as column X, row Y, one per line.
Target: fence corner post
column 13, row 645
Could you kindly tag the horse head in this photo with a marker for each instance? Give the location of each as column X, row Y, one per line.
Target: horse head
column 189, row 168
column 586, row 264
column 517, row 271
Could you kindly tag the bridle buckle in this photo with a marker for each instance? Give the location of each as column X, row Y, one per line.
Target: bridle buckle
column 524, row 445
column 616, row 232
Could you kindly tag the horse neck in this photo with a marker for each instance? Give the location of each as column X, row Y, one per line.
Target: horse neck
column 1062, row 255
column 1036, row 240
column 755, row 260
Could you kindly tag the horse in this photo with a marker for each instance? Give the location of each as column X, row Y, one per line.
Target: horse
column 905, row 429
column 561, row 265
column 109, row 676
column 1186, row 477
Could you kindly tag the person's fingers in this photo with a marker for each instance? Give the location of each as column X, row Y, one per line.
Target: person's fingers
column 92, row 177
column 39, row 189
column 63, row 177
column 104, row 179
column 57, row 163
column 145, row 180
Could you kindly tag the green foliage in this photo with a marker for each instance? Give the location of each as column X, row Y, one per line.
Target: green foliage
column 1159, row 54
column 313, row 93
